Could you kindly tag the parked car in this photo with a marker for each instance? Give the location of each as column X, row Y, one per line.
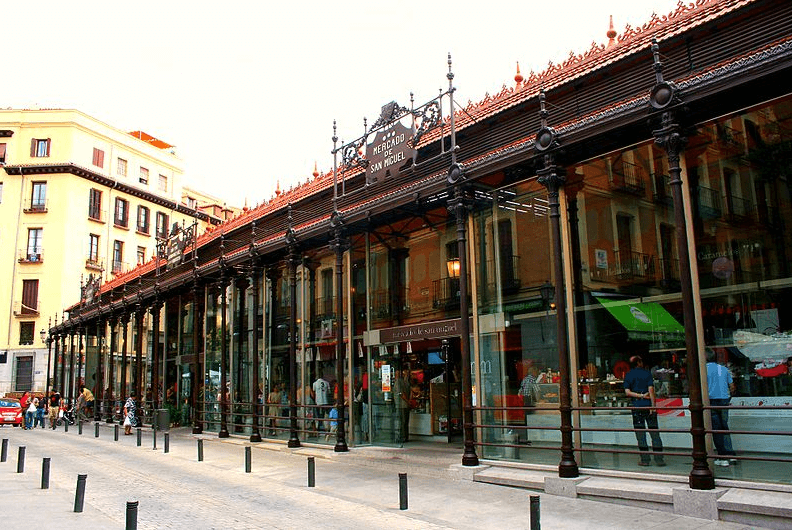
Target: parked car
column 10, row 412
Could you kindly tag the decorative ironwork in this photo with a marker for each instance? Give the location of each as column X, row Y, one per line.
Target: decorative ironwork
column 390, row 112
column 425, row 118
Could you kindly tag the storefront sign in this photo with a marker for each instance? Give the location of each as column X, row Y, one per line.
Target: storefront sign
column 385, row 375
column 429, row 330
column 388, row 151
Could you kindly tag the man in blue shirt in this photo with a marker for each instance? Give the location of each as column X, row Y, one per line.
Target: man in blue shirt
column 720, row 385
column 639, row 385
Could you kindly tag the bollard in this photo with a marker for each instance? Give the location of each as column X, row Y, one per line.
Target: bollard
column 535, row 525
column 21, row 460
column 96, row 429
column 200, row 450
column 154, row 432
column 79, row 496
column 79, row 428
column 45, row 469
column 4, row 451
column 115, row 433
column 247, row 459
column 131, row 515
column 139, row 436
column 311, row 472
column 66, row 425
column 402, row 491
column 167, row 442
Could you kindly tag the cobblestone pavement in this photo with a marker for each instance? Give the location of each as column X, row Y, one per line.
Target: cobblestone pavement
column 174, row 490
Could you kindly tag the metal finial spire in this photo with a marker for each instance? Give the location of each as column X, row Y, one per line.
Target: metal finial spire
column 543, row 113
column 658, row 66
column 450, row 74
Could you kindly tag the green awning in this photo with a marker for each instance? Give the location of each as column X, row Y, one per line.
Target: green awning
column 644, row 320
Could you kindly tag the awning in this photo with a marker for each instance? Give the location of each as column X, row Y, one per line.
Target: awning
column 644, row 320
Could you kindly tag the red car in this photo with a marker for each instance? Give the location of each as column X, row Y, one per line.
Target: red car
column 10, row 412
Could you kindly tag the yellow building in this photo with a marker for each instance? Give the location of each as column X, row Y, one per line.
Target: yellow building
column 80, row 202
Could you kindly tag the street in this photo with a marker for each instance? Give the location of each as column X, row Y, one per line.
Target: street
column 175, row 490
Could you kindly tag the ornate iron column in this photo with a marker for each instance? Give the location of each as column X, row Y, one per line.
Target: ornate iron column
column 71, row 368
column 199, row 377
column 293, row 259
column 155, row 354
column 140, row 316
column 124, row 358
column 339, row 244
column 54, row 385
column 62, row 380
column 49, row 358
column 665, row 100
column 224, row 390
column 273, row 274
column 99, row 374
column 255, row 433
column 552, row 177
column 109, row 399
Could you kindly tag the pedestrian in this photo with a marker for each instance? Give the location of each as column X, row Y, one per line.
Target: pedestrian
column 89, row 402
column 54, row 408
column 639, row 385
column 79, row 409
column 129, row 413
column 30, row 412
column 24, row 401
column 720, row 387
column 273, row 409
column 402, row 394
column 41, row 410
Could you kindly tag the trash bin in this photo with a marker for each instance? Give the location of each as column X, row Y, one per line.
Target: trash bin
column 512, row 438
column 162, row 419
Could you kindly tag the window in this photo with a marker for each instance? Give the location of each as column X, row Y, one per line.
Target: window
column 143, row 175
column 121, row 170
column 38, row 196
column 95, row 204
column 141, row 255
column 121, row 212
column 24, row 371
column 26, row 330
column 98, row 157
column 93, row 248
column 40, row 147
column 118, row 256
column 2, row 153
column 192, row 203
column 143, row 220
column 162, row 225
column 163, row 183
column 29, row 297
column 35, row 236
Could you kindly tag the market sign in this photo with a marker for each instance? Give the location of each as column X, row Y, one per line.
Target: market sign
column 389, row 149
column 644, row 320
column 175, row 246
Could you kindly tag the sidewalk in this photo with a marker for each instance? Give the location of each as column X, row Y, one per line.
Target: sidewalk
column 358, row 489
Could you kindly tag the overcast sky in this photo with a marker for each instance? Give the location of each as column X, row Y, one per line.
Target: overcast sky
column 248, row 91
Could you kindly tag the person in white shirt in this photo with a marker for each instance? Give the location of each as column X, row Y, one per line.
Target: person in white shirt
column 321, row 390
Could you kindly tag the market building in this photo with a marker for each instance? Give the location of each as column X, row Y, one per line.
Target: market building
column 80, row 203
column 485, row 275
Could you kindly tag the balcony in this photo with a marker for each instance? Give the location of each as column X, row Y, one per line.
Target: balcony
column 325, row 308
column 634, row 266
column 662, row 193
column 445, row 293
column 629, row 178
column 709, row 203
column 97, row 215
column 730, row 140
column 510, row 281
column 35, row 206
column 739, row 209
column 94, row 264
column 386, row 304
column 24, row 310
column 31, row 255
column 120, row 267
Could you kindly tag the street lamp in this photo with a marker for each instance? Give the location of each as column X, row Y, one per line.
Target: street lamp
column 546, row 291
column 43, row 335
column 453, row 267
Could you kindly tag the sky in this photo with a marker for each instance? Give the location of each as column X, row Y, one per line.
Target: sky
column 247, row 91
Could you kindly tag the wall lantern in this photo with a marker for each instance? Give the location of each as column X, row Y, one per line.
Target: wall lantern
column 453, row 267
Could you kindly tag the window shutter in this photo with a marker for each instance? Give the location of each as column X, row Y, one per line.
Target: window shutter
column 29, row 296
column 32, row 148
column 49, row 143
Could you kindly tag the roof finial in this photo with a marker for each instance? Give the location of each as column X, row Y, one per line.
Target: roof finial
column 518, row 78
column 245, row 207
column 277, row 188
column 611, row 33
column 316, row 170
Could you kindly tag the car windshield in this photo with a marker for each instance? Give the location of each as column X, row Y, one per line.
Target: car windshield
column 11, row 404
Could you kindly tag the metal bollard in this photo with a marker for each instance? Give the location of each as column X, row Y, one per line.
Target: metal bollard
column 96, row 430
column 21, row 460
column 535, row 525
column 66, row 425
column 167, row 442
column 247, row 459
column 311, row 472
column 131, row 515
column 402, row 491
column 4, row 451
column 139, row 436
column 79, row 427
column 45, row 472
column 79, row 496
column 200, row 450
column 115, row 433
column 154, row 432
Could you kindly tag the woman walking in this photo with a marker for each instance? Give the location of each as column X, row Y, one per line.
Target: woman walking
column 129, row 413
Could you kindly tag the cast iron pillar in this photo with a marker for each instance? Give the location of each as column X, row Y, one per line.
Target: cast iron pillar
column 122, row 386
column 155, row 356
column 293, row 259
column 55, row 364
column 137, row 388
column 49, row 359
column 225, row 392
column 339, row 244
column 71, row 369
column 552, row 177
column 665, row 99
column 196, row 404
column 273, row 275
column 109, row 399
column 62, row 380
column 256, row 392
column 99, row 374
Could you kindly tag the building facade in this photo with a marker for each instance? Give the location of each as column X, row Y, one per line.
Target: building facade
column 80, row 203
column 487, row 276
